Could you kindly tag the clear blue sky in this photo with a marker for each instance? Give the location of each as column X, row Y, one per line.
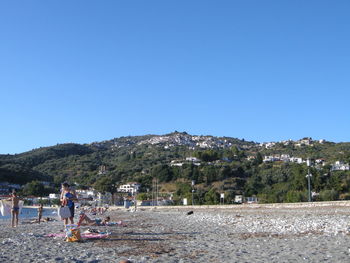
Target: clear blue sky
column 84, row 71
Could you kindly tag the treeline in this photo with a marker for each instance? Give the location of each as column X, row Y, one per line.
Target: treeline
column 220, row 171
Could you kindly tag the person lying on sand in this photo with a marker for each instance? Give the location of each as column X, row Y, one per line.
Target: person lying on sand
column 46, row 219
column 91, row 222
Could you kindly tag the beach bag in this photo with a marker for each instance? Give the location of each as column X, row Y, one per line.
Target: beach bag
column 64, row 212
column 72, row 233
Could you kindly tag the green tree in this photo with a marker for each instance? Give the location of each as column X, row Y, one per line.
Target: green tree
column 183, row 190
column 34, row 188
column 210, row 174
column 105, row 184
column 258, row 158
column 293, row 196
column 329, row 195
column 144, row 196
column 211, row 197
column 298, row 179
column 208, row 155
column 163, row 173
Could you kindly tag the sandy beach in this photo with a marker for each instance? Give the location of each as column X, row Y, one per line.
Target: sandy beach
column 275, row 233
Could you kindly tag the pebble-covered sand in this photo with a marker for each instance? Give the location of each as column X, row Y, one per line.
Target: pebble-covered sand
column 237, row 234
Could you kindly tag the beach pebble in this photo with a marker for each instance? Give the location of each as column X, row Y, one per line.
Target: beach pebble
column 256, row 235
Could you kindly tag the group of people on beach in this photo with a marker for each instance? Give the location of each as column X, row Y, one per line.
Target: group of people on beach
column 68, row 198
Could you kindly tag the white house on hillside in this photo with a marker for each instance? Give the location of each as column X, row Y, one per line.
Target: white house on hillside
column 90, row 193
column 129, row 188
column 192, row 159
column 268, row 159
column 296, row 160
column 54, row 196
column 340, row 166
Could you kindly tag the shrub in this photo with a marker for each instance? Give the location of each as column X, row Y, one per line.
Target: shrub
column 329, row 195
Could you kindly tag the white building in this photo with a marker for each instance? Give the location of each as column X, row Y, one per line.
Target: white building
column 129, row 188
column 239, row 199
column 176, row 164
column 268, row 159
column 296, row 160
column 288, row 142
column 54, row 196
column 268, row 145
column 304, row 142
column 285, row 157
column 192, row 159
column 320, row 162
column 251, row 199
column 90, row 193
column 340, row 166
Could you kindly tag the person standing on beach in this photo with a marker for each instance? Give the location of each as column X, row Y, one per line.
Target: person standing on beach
column 15, row 208
column 40, row 212
column 68, row 197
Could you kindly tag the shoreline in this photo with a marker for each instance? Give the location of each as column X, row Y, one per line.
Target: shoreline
column 343, row 203
column 243, row 206
column 36, row 207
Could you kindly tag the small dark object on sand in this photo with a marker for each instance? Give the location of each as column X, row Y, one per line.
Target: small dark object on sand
column 125, row 261
column 190, row 213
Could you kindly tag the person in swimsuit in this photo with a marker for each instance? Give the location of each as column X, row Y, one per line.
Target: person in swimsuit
column 68, row 197
column 40, row 212
column 92, row 222
column 15, row 208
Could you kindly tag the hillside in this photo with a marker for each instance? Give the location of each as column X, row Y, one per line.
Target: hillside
column 218, row 163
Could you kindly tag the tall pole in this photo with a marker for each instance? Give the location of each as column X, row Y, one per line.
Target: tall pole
column 192, row 184
column 135, row 199
column 152, row 192
column 192, row 197
column 156, row 191
column 308, row 163
column 309, row 183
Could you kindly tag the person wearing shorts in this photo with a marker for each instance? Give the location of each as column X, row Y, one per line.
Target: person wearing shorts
column 15, row 209
column 67, row 198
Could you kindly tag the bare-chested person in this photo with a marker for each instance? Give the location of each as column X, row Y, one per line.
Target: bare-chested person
column 15, row 208
column 40, row 212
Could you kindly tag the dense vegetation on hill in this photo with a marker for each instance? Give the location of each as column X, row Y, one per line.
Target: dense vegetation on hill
column 222, row 166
